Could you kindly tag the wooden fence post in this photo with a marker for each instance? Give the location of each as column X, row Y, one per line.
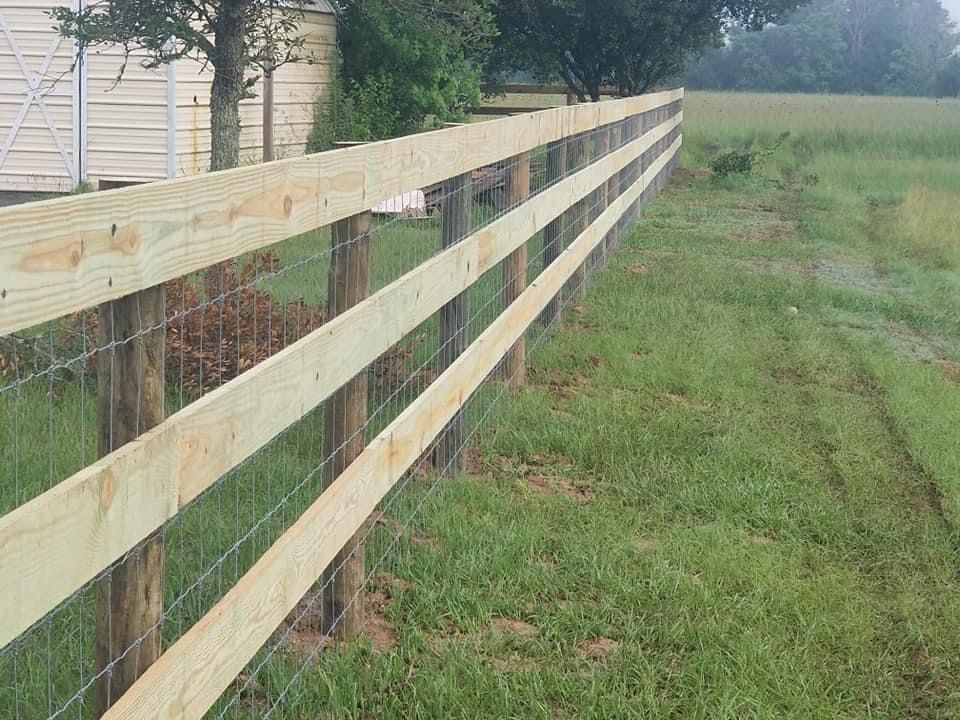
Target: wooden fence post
column 578, row 214
column 614, row 140
column 455, row 224
column 130, row 401
column 515, row 269
column 345, row 418
column 553, row 233
column 603, row 193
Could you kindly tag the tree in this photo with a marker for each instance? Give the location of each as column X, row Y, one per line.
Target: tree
column 633, row 44
column 902, row 47
column 405, row 61
column 947, row 81
column 239, row 39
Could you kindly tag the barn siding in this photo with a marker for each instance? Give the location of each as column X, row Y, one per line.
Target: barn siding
column 33, row 162
column 126, row 121
column 296, row 88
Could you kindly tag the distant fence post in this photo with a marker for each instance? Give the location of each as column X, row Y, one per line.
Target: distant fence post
column 455, row 224
column 553, row 233
column 603, row 193
column 345, row 418
column 130, row 401
column 614, row 142
column 578, row 215
column 515, row 268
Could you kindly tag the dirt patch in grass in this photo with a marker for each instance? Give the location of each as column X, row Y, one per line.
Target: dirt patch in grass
column 302, row 631
column 563, row 385
column 378, row 628
column 398, row 529
column 578, row 492
column 647, row 544
column 680, row 398
column 950, row 369
column 597, row 648
column 763, row 540
column 507, row 628
column 473, row 461
column 931, row 687
column 683, row 178
column 788, row 376
column 764, row 232
column 865, row 278
column 513, row 664
column 251, row 692
column 598, row 362
column 639, row 268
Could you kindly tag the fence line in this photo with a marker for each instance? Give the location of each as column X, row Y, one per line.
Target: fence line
column 64, row 255
column 55, row 257
column 167, row 467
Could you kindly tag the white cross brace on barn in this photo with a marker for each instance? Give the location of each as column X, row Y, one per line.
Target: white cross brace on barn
column 34, row 92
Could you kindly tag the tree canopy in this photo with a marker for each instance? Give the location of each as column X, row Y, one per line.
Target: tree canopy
column 404, row 62
column 902, row 47
column 632, row 44
column 239, row 39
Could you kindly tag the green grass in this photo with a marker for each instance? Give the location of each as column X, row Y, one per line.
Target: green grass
column 760, row 398
column 730, row 488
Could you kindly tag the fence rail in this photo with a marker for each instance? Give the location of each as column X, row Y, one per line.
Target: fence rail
column 63, row 256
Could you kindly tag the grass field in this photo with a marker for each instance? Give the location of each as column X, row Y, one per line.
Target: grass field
column 730, row 489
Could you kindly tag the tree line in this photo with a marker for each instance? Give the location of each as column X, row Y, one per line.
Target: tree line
column 894, row 47
column 405, row 64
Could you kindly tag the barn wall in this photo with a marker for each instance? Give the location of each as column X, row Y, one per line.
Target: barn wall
column 34, row 161
column 296, row 88
column 126, row 123
column 126, row 120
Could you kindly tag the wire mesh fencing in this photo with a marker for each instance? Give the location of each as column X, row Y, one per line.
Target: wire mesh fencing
column 82, row 387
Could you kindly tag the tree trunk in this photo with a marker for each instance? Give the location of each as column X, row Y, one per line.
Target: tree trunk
column 227, row 88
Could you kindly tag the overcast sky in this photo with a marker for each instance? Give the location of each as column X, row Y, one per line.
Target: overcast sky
column 953, row 6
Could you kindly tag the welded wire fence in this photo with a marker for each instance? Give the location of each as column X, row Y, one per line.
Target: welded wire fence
column 78, row 388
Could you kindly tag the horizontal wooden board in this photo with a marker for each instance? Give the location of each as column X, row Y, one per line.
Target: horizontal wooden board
column 186, row 681
column 60, row 540
column 60, row 256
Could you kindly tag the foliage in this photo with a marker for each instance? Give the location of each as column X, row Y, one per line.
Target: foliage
column 352, row 112
column 404, row 64
column 632, row 44
column 239, row 39
column 203, row 354
column 900, row 47
column 745, row 161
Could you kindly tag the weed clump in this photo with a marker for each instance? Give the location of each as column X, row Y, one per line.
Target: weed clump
column 744, row 161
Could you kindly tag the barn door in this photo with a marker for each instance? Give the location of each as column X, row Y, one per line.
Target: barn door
column 41, row 100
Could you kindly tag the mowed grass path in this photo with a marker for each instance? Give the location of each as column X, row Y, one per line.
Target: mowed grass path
column 731, row 488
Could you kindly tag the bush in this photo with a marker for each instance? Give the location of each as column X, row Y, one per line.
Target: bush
column 745, row 161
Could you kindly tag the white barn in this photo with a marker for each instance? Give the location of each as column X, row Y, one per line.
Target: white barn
column 59, row 127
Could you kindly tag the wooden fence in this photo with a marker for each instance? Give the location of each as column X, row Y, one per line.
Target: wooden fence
column 115, row 250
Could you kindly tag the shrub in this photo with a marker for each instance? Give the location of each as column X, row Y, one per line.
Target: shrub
column 745, row 161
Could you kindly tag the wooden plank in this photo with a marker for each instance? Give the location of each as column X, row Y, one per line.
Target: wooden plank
column 345, row 416
column 515, row 269
column 61, row 256
column 515, row 89
column 192, row 674
column 503, row 110
column 62, row 539
column 129, row 599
